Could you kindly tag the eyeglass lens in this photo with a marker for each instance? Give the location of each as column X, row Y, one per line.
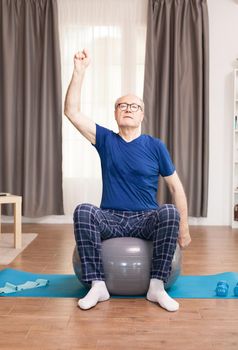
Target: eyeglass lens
column 133, row 106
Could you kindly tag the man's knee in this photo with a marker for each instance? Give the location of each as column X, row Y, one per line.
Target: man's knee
column 168, row 212
column 83, row 212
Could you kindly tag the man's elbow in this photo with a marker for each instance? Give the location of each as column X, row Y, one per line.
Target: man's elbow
column 69, row 112
column 66, row 107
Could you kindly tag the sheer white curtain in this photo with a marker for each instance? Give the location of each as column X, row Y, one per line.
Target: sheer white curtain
column 114, row 33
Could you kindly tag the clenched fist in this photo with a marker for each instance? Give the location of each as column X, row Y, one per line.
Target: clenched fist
column 81, row 60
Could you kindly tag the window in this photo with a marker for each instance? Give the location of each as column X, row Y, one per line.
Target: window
column 114, row 33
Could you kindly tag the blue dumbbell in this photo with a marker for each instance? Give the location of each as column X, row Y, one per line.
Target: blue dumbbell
column 222, row 289
column 236, row 290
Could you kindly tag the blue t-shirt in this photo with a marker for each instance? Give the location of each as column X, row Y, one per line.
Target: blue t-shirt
column 130, row 170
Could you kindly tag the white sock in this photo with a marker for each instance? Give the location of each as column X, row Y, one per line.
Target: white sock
column 98, row 292
column 157, row 293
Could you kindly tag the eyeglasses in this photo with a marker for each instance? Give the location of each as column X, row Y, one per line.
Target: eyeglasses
column 133, row 106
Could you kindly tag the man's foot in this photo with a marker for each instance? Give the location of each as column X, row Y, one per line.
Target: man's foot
column 97, row 293
column 157, row 294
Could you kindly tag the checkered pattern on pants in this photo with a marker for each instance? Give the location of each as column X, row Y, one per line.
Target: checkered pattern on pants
column 92, row 225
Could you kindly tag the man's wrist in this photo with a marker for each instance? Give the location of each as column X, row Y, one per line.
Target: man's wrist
column 79, row 73
column 183, row 225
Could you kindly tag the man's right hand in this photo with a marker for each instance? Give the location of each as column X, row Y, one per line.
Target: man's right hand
column 81, row 60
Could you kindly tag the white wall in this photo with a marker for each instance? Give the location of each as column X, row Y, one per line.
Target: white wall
column 223, row 28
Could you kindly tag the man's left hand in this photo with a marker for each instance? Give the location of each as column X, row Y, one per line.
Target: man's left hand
column 184, row 238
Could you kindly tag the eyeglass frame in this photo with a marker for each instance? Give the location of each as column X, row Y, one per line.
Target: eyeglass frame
column 129, row 105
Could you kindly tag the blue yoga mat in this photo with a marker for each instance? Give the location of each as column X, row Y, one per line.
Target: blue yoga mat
column 68, row 286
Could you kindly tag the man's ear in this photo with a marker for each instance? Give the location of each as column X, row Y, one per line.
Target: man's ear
column 115, row 114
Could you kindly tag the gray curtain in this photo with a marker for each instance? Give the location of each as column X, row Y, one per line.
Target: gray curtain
column 30, row 105
column 176, row 92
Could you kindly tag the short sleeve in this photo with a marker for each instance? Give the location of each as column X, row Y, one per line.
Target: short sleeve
column 166, row 166
column 101, row 134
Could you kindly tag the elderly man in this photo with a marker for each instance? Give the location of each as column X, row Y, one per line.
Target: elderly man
column 131, row 164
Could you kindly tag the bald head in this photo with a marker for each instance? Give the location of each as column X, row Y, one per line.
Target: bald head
column 130, row 97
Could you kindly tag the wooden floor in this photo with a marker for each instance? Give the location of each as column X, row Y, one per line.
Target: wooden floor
column 45, row 323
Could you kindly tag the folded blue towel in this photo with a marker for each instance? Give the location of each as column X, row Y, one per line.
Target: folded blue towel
column 12, row 288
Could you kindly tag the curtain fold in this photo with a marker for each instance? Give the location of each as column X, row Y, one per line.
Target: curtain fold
column 176, row 92
column 31, row 106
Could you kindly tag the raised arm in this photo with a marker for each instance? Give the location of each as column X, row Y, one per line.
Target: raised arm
column 72, row 106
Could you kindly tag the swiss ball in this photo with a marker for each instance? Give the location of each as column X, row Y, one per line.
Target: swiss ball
column 127, row 264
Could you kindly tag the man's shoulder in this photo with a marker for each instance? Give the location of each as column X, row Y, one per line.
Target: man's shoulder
column 154, row 144
column 103, row 136
column 152, row 140
column 103, row 132
column 103, row 129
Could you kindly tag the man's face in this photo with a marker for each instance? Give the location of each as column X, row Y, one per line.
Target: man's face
column 126, row 113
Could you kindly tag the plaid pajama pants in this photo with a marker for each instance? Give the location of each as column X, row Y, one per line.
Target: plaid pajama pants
column 92, row 225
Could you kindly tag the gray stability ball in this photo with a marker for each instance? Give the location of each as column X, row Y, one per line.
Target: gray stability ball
column 127, row 265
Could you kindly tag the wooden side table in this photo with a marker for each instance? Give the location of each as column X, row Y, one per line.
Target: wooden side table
column 17, row 202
